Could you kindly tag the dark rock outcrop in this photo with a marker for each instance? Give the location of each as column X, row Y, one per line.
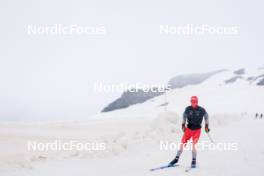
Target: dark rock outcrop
column 130, row 98
column 257, row 78
column 261, row 82
column 251, row 78
column 233, row 79
column 240, row 71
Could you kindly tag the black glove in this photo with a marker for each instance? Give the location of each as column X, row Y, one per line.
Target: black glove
column 206, row 128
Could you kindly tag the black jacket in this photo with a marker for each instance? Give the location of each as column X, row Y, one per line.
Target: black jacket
column 194, row 117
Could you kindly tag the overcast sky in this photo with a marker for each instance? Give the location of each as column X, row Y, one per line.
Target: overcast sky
column 52, row 76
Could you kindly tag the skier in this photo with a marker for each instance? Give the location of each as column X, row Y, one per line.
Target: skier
column 194, row 115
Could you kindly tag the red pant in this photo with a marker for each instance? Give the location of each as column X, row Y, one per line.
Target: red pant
column 188, row 134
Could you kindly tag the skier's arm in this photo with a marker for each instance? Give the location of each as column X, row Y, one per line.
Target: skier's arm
column 184, row 118
column 206, row 119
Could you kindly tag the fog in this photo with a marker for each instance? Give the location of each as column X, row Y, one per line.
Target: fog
column 52, row 76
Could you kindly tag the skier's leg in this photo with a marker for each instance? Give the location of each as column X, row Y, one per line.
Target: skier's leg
column 194, row 151
column 176, row 159
column 194, row 154
column 195, row 138
column 186, row 136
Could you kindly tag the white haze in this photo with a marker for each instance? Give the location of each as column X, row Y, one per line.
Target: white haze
column 52, row 77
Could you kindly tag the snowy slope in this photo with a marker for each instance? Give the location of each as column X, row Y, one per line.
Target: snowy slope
column 133, row 136
column 214, row 94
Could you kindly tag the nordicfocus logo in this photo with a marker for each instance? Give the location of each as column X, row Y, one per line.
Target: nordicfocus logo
column 204, row 29
column 58, row 145
column 59, row 29
column 99, row 87
column 200, row 146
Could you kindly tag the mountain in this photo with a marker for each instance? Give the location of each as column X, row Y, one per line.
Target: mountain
column 129, row 98
column 251, row 78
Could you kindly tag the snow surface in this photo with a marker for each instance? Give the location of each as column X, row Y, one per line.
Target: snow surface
column 133, row 136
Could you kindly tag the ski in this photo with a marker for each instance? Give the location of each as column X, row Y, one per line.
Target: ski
column 163, row 167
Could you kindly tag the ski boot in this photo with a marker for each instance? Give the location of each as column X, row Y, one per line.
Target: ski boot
column 193, row 164
column 174, row 161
